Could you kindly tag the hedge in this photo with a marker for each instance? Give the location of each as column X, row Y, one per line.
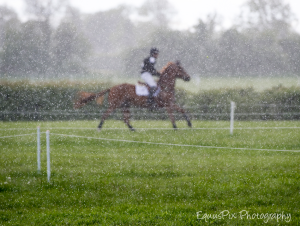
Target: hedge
column 54, row 101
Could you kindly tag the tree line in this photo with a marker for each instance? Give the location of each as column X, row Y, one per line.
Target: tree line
column 262, row 41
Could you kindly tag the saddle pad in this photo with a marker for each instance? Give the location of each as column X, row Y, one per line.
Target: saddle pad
column 143, row 91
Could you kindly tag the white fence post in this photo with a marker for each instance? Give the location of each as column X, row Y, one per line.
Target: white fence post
column 38, row 150
column 48, row 155
column 232, row 116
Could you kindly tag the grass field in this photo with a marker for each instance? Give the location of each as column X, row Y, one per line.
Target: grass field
column 105, row 182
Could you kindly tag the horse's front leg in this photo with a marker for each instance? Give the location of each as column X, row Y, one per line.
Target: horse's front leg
column 186, row 117
column 171, row 116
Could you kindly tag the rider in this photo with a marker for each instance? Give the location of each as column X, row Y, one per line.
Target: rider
column 147, row 71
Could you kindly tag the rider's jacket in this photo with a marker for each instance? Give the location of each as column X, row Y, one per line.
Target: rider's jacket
column 148, row 66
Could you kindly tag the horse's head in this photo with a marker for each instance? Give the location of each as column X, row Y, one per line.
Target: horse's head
column 169, row 74
column 181, row 73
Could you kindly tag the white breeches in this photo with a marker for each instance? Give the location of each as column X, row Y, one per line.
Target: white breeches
column 148, row 79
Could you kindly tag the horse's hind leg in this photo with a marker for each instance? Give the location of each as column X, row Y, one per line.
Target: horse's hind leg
column 105, row 116
column 126, row 117
column 179, row 109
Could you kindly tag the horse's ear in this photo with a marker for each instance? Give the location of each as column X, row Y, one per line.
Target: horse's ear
column 178, row 63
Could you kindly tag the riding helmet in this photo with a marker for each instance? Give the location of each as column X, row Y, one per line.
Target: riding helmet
column 154, row 51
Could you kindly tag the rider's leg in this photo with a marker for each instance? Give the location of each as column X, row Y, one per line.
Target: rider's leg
column 150, row 100
column 150, row 81
column 148, row 78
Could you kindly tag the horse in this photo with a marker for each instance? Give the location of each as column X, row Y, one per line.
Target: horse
column 124, row 96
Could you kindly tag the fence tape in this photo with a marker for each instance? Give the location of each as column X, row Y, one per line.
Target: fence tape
column 119, row 114
column 168, row 144
column 21, row 135
column 125, row 128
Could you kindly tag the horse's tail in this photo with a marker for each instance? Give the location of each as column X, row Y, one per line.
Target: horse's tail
column 85, row 97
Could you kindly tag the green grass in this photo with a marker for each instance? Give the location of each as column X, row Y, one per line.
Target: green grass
column 101, row 182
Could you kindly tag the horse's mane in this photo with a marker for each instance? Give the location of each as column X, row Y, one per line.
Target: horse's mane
column 163, row 70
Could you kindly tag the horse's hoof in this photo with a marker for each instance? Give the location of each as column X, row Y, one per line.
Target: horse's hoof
column 132, row 129
column 190, row 124
column 98, row 129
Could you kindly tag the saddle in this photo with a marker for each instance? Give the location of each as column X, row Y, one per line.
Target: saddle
column 142, row 89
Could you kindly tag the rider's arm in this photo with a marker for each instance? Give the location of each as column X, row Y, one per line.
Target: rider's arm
column 156, row 73
column 153, row 71
column 149, row 66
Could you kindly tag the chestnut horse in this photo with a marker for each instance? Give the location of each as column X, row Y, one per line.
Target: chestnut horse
column 124, row 95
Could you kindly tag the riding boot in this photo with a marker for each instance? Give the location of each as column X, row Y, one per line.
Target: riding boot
column 150, row 100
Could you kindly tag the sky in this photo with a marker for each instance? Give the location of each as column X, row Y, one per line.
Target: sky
column 188, row 11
